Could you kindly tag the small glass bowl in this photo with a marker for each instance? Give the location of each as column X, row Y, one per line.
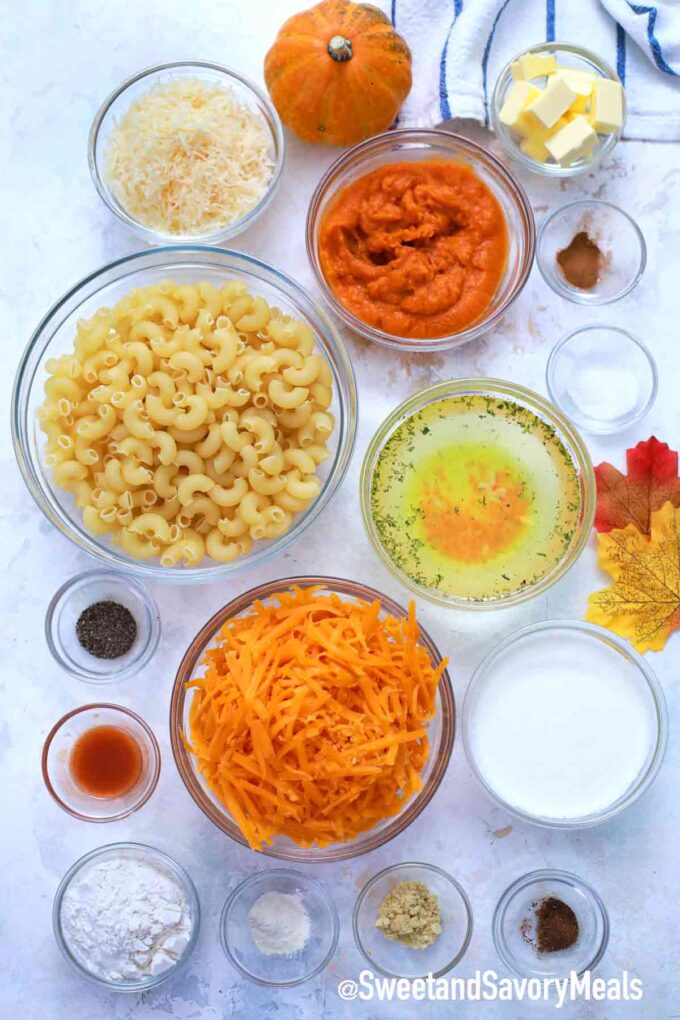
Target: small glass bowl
column 416, row 145
column 116, row 106
column 57, row 774
column 654, row 697
column 617, row 236
column 279, row 971
column 602, row 377
column 513, row 917
column 77, row 595
column 105, row 287
column 440, row 733
column 150, row 855
column 573, row 444
column 392, row 958
column 567, row 55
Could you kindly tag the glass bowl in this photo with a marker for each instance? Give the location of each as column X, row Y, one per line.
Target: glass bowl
column 602, row 377
column 512, row 767
column 117, row 104
column 184, row 263
column 166, row 865
column 392, row 958
column 546, row 412
column 279, row 970
column 440, row 732
column 513, row 925
column 56, row 761
column 617, row 236
column 416, row 145
column 567, row 55
column 73, row 598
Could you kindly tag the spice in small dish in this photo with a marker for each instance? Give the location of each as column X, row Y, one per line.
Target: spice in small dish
column 279, row 923
column 410, row 914
column 106, row 629
column 553, row 927
column 582, row 261
column 106, row 762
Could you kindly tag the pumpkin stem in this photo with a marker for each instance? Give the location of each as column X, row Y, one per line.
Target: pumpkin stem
column 340, row 48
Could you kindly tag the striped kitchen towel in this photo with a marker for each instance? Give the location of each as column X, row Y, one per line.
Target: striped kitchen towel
column 460, row 46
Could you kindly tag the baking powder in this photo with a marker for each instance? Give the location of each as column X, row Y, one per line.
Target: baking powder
column 125, row 918
column 279, row 923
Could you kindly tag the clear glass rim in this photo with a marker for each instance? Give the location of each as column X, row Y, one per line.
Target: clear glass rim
column 392, row 869
column 145, row 654
column 572, row 293
column 230, row 230
column 534, row 401
column 547, row 875
column 514, row 151
column 476, row 153
column 370, row 839
column 644, row 671
column 157, row 258
column 303, row 879
column 154, row 762
column 179, row 873
column 586, row 424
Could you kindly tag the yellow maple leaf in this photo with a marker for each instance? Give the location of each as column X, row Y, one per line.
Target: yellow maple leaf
column 643, row 604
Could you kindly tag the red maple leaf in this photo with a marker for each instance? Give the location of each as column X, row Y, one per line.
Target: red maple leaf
column 652, row 480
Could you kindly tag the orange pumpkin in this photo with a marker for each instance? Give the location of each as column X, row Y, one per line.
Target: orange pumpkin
column 338, row 73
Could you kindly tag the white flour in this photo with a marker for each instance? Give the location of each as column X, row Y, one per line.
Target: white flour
column 279, row 923
column 125, row 918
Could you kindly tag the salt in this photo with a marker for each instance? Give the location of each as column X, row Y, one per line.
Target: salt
column 561, row 726
column 604, row 393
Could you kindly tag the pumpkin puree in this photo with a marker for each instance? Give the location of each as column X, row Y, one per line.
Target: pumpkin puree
column 415, row 249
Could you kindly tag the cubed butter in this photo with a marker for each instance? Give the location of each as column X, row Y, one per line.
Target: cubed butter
column 580, row 105
column 574, row 140
column 555, row 100
column 579, row 82
column 537, row 65
column 516, row 70
column 606, row 108
column 513, row 113
column 534, row 145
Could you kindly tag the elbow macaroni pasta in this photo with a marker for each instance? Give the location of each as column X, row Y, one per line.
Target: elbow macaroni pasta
column 189, row 421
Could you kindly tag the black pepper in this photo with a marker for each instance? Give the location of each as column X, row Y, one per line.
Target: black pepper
column 106, row 630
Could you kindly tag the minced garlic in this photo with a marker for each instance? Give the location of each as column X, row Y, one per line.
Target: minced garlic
column 189, row 158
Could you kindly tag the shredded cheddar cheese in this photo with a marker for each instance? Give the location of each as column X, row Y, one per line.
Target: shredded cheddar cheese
column 188, row 158
column 311, row 719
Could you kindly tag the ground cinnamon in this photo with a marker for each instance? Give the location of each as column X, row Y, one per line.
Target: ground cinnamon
column 556, row 925
column 581, row 261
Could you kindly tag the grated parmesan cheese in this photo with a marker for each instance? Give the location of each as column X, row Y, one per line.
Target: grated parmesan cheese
column 189, row 158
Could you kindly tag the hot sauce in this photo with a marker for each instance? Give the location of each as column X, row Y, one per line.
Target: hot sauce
column 415, row 249
column 105, row 761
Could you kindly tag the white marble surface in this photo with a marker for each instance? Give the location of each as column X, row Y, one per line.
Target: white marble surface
column 59, row 61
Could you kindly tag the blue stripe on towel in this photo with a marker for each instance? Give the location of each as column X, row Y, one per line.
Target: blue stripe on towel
column 654, row 43
column 485, row 59
column 621, row 53
column 550, row 20
column 444, row 108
